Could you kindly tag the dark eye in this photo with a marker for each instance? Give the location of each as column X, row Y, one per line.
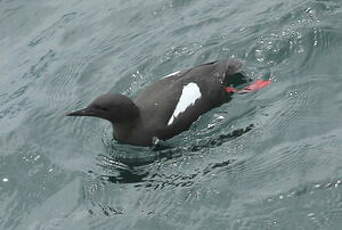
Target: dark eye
column 100, row 108
column 103, row 108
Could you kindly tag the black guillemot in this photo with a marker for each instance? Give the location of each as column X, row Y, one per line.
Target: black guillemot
column 169, row 106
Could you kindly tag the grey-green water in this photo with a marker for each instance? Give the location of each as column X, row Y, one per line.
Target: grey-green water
column 283, row 172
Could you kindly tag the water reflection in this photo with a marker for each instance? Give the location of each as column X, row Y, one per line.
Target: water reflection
column 132, row 165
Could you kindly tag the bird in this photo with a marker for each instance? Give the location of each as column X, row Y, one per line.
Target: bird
column 170, row 105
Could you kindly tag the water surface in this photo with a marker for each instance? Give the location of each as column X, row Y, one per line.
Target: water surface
column 266, row 160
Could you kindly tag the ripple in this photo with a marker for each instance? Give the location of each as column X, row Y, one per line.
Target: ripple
column 50, row 32
column 60, row 87
column 266, row 160
column 288, row 107
column 317, row 205
column 302, row 35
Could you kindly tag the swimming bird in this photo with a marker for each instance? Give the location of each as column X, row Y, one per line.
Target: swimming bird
column 170, row 105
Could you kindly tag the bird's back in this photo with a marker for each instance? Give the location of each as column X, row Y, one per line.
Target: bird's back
column 170, row 105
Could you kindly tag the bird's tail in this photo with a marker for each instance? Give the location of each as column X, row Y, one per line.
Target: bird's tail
column 236, row 81
column 232, row 74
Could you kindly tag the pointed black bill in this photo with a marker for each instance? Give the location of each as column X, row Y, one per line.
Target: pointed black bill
column 82, row 112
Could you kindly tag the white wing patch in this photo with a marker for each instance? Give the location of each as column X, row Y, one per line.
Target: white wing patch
column 171, row 74
column 190, row 94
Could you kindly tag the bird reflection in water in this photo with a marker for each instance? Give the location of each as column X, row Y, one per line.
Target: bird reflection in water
column 120, row 167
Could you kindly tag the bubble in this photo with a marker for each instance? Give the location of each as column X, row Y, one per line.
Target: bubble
column 315, row 43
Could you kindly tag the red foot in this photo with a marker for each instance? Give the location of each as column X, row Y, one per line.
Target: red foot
column 258, row 84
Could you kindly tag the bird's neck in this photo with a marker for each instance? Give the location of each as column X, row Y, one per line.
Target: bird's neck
column 124, row 130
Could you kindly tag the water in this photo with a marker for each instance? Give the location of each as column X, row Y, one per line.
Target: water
column 267, row 160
